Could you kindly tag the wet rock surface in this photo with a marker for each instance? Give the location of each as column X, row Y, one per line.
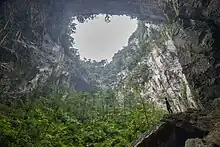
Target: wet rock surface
column 195, row 33
column 192, row 128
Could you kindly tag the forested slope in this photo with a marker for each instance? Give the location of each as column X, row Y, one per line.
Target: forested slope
column 75, row 119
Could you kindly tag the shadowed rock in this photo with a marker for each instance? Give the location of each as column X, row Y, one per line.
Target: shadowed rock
column 192, row 128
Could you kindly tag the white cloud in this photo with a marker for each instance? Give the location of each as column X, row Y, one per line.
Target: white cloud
column 99, row 40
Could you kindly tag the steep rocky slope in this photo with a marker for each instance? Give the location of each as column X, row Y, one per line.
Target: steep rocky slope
column 195, row 33
column 34, row 53
column 150, row 62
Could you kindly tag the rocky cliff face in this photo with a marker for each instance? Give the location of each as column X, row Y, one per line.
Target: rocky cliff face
column 196, row 36
column 24, row 25
column 158, row 70
column 167, row 79
column 29, row 66
column 35, row 54
column 195, row 33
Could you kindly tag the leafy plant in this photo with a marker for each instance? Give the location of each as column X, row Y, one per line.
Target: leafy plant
column 77, row 119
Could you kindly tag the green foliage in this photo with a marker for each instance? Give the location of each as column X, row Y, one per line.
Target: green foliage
column 74, row 119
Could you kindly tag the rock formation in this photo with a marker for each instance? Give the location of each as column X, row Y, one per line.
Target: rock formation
column 35, row 51
column 24, row 28
column 192, row 128
column 195, row 33
column 157, row 68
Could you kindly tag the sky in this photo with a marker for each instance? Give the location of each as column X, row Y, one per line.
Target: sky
column 98, row 40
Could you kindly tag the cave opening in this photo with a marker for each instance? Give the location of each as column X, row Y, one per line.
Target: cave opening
column 36, row 52
column 99, row 39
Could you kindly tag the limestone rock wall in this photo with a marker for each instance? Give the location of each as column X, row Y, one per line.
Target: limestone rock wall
column 24, row 24
column 167, row 79
column 158, row 71
column 195, row 33
column 34, row 50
